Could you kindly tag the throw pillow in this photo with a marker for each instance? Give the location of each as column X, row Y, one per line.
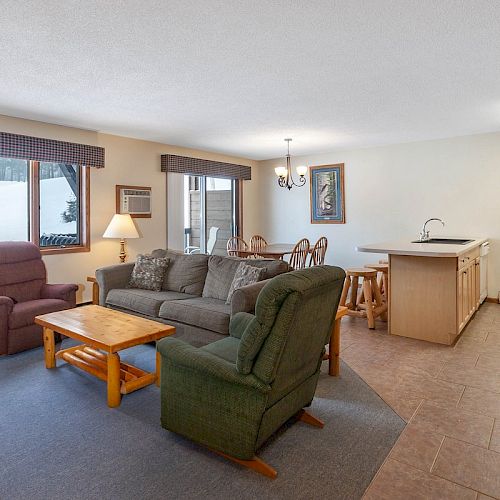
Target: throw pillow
column 245, row 275
column 148, row 272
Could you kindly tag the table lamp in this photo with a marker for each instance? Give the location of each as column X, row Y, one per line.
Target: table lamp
column 121, row 226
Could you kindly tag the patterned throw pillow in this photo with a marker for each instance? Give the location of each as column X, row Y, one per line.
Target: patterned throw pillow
column 245, row 275
column 148, row 272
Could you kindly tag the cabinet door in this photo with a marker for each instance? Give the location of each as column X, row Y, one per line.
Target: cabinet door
column 471, row 281
column 465, row 291
column 477, row 265
column 460, row 300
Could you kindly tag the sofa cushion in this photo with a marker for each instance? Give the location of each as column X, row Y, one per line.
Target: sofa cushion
column 185, row 273
column 221, row 271
column 23, row 313
column 148, row 272
column 273, row 267
column 207, row 313
column 245, row 274
column 225, row 348
column 145, row 302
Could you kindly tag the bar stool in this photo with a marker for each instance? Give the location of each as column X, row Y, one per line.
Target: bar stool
column 371, row 291
column 383, row 280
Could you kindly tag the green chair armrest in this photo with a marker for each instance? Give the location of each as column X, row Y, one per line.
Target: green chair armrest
column 206, row 364
column 239, row 323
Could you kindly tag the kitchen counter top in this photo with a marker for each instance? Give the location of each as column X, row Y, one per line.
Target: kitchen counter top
column 406, row 247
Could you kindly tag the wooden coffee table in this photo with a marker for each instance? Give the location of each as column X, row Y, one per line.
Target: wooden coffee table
column 103, row 332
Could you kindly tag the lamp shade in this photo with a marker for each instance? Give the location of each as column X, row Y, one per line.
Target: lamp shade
column 121, row 226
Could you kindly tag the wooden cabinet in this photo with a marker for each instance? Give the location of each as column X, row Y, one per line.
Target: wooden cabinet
column 467, row 289
column 477, row 282
column 433, row 298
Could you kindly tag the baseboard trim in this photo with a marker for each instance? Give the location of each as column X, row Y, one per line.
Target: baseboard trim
column 491, row 299
column 84, row 303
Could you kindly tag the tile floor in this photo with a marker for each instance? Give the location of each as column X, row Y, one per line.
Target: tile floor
column 450, row 399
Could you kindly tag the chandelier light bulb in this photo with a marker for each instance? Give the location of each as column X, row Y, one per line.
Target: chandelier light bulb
column 280, row 171
column 301, row 170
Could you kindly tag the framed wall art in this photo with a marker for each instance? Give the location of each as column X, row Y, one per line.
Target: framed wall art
column 327, row 194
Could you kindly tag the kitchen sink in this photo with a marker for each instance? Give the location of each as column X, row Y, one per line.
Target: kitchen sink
column 445, row 241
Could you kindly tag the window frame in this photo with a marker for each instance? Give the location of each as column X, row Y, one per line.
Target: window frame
column 34, row 211
column 200, row 184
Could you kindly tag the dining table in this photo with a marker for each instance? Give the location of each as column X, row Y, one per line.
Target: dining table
column 272, row 251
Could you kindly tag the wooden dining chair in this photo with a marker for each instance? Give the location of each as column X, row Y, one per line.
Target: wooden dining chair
column 235, row 245
column 299, row 254
column 317, row 257
column 257, row 243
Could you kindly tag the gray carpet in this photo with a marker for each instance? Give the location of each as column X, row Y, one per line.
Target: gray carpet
column 59, row 440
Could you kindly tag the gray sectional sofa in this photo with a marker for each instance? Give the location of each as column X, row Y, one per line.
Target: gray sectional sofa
column 193, row 295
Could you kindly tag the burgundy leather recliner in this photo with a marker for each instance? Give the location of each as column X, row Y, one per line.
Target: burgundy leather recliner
column 24, row 294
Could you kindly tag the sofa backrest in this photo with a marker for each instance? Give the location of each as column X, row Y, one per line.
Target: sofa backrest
column 185, row 273
column 221, row 271
column 294, row 318
column 209, row 275
column 22, row 271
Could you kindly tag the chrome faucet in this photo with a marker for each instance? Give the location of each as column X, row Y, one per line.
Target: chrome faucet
column 424, row 235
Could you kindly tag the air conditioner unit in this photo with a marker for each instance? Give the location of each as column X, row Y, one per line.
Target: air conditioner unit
column 135, row 202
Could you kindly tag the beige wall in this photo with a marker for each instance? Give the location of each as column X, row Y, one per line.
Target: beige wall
column 390, row 192
column 128, row 161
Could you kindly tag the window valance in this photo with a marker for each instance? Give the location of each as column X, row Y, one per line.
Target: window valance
column 39, row 149
column 198, row 166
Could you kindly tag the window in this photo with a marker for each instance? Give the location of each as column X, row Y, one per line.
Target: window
column 211, row 213
column 47, row 203
column 14, row 193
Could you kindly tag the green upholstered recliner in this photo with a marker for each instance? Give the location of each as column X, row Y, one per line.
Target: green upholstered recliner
column 231, row 395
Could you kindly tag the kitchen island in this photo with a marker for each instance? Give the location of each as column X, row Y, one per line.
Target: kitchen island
column 433, row 287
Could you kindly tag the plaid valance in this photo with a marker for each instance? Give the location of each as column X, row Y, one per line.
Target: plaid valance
column 36, row 148
column 198, row 166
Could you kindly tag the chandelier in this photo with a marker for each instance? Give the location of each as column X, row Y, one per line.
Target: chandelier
column 285, row 177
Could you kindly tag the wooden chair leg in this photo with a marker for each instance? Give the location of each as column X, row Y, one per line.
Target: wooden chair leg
column 376, row 292
column 255, row 464
column 367, row 287
column 385, row 283
column 361, row 297
column 307, row 418
column 354, row 293
column 345, row 291
column 381, row 306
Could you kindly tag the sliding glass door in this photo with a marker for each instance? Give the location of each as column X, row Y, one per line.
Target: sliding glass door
column 210, row 213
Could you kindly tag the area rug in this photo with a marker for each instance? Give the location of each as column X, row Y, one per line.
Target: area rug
column 59, row 440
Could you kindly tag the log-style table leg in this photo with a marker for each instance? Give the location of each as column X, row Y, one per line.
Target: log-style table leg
column 158, row 368
column 49, row 345
column 114, row 395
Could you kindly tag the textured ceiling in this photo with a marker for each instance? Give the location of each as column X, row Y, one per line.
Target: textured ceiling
column 238, row 76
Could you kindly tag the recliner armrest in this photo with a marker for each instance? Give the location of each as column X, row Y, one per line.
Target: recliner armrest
column 6, row 303
column 6, row 306
column 245, row 298
column 65, row 292
column 116, row 276
column 206, row 364
column 239, row 323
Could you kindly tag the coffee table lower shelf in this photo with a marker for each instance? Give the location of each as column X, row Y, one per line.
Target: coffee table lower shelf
column 95, row 363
